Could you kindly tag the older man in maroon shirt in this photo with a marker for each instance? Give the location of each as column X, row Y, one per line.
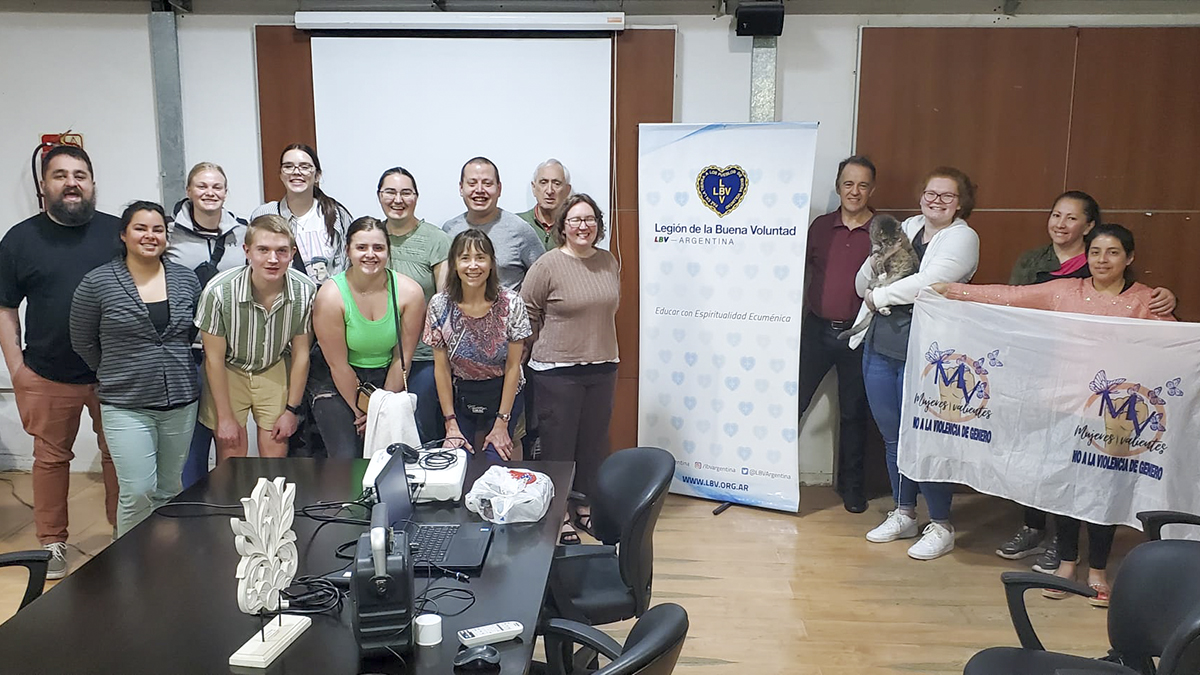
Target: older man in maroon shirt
column 838, row 243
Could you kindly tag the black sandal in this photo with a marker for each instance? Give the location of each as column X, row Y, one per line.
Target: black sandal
column 569, row 537
column 583, row 523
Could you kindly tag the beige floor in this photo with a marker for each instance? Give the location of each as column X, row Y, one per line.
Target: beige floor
column 769, row 592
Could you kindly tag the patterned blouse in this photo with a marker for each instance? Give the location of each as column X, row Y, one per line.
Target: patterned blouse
column 478, row 347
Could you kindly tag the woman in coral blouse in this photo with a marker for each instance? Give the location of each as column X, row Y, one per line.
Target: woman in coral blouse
column 1108, row 292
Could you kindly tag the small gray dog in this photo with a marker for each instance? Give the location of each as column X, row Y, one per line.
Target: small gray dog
column 894, row 259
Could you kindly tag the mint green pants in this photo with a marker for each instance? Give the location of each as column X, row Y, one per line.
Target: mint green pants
column 148, row 448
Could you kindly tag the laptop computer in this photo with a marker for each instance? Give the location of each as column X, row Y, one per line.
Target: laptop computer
column 454, row 547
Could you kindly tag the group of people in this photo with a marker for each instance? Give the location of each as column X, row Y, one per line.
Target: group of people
column 173, row 328
column 1084, row 269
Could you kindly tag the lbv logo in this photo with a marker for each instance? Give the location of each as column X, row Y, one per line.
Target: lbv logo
column 722, row 190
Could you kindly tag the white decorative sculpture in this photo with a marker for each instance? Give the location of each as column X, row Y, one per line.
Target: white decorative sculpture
column 267, row 544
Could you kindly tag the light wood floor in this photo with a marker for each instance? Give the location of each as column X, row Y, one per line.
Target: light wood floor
column 769, row 592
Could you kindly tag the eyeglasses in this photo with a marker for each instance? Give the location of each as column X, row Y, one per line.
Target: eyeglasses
column 576, row 222
column 390, row 194
column 302, row 169
column 939, row 197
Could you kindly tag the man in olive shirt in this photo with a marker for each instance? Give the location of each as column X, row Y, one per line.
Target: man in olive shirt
column 551, row 186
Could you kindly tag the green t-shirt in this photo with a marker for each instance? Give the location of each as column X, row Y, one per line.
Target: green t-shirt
column 542, row 233
column 414, row 255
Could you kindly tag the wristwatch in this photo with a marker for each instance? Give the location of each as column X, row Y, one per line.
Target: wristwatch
column 294, row 409
column 504, row 416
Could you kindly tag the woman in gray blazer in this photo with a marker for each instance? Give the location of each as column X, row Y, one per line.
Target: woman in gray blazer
column 131, row 321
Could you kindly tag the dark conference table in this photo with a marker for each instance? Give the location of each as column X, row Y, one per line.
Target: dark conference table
column 162, row 599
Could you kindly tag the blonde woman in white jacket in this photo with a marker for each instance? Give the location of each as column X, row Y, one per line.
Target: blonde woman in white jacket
column 949, row 251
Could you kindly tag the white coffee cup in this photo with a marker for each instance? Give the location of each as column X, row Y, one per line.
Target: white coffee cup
column 428, row 630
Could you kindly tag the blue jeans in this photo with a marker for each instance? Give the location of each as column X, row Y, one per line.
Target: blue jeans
column 883, row 378
column 148, row 448
column 429, row 411
column 195, row 466
column 469, row 424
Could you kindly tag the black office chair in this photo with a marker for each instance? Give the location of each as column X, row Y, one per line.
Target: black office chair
column 652, row 648
column 1154, row 613
column 1153, row 521
column 609, row 582
column 36, row 562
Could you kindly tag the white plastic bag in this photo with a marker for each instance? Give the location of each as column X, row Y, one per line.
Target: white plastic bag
column 503, row 495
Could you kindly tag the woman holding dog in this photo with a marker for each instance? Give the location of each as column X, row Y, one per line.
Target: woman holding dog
column 948, row 250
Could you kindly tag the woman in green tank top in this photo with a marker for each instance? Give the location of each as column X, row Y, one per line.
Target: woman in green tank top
column 356, row 319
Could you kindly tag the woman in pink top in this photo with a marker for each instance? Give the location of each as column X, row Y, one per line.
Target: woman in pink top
column 1106, row 293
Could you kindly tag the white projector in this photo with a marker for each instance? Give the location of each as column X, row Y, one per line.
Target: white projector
column 428, row 485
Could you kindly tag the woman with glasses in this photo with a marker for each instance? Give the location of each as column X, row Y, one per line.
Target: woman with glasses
column 949, row 251
column 318, row 221
column 572, row 294
column 418, row 251
column 367, row 322
column 477, row 330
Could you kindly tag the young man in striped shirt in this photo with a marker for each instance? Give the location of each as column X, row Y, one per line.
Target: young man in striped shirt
column 250, row 319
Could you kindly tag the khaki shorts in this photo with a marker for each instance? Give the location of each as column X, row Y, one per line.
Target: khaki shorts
column 264, row 393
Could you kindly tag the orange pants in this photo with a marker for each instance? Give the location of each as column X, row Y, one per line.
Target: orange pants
column 50, row 412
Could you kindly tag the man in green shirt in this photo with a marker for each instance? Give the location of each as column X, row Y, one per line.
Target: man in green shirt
column 551, row 186
column 249, row 318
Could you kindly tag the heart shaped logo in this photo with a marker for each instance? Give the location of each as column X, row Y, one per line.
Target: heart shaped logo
column 775, row 409
column 747, row 363
column 718, row 360
column 760, row 433
column 774, row 456
column 664, row 356
column 744, row 452
column 703, row 426
column 689, row 402
column 800, row 199
column 705, row 381
column 732, row 383
column 730, row 429
column 681, row 198
column 789, row 435
column 689, row 447
column 722, row 190
column 746, row 407
column 790, row 387
column 653, row 198
column 677, row 377
column 690, row 358
column 777, row 365
column 762, row 385
column 693, row 268
column 677, row 422
column 664, row 400
column 717, row 405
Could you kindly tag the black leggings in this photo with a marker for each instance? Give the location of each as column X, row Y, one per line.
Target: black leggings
column 1100, row 541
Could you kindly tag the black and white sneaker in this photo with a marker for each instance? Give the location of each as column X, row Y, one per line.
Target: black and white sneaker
column 1047, row 562
column 1026, row 542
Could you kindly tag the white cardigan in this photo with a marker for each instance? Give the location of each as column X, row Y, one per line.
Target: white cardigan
column 952, row 255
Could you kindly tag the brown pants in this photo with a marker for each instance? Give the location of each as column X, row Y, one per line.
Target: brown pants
column 574, row 407
column 50, row 412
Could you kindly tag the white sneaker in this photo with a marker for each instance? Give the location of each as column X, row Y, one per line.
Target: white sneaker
column 57, row 567
column 895, row 526
column 937, row 542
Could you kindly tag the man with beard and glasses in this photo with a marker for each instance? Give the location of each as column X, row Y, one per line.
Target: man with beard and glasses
column 42, row 260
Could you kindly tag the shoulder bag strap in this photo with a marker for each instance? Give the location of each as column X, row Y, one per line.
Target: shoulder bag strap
column 396, row 317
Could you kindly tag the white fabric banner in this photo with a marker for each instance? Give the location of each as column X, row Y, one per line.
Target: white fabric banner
column 723, row 221
column 1085, row 416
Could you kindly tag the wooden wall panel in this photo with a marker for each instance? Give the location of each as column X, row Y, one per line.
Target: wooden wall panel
column 643, row 91
column 993, row 102
column 283, row 56
column 1135, row 132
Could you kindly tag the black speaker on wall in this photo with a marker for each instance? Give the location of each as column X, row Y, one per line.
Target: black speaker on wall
column 759, row 19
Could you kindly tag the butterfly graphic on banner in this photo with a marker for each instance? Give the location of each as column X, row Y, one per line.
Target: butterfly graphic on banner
column 722, row 190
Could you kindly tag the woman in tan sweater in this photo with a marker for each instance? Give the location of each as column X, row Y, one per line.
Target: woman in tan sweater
column 572, row 294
